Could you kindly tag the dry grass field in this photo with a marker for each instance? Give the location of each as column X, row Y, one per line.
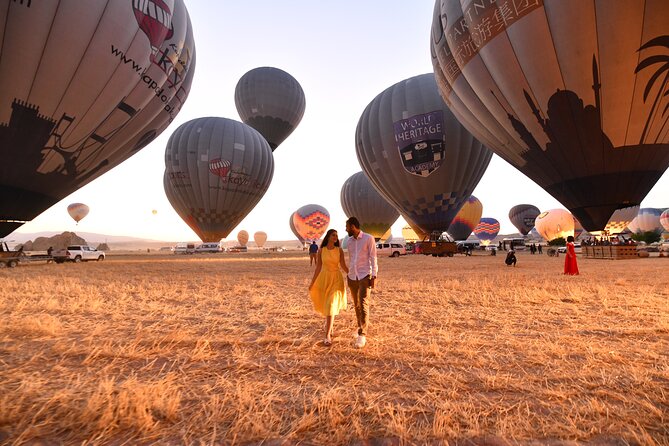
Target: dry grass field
column 226, row 349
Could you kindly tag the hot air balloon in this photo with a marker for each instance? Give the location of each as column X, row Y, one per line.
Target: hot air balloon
column 466, row 219
column 664, row 220
column 410, row 235
column 271, row 101
column 555, row 223
column 311, row 221
column 217, row 170
column 242, row 238
column 359, row 199
column 487, row 230
column 647, row 220
column 154, row 212
column 292, row 228
column 620, row 219
column 578, row 228
column 260, row 238
column 68, row 116
column 77, row 211
column 522, row 216
column 567, row 92
column 417, row 155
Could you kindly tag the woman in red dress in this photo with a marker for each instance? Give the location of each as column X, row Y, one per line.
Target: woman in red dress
column 570, row 265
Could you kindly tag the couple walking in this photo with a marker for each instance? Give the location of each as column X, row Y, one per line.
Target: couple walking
column 327, row 289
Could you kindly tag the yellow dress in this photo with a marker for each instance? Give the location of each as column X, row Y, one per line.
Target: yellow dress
column 329, row 291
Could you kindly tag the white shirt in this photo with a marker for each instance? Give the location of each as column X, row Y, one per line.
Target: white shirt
column 362, row 257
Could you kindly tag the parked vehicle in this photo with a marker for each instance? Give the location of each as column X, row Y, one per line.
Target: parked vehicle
column 438, row 245
column 9, row 258
column 238, row 249
column 208, row 247
column 78, row 253
column 391, row 249
column 466, row 247
column 184, row 248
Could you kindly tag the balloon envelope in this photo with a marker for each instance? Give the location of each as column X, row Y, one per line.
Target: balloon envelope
column 555, row 223
column 260, row 238
column 664, row 219
column 466, row 219
column 359, row 199
column 217, row 170
column 522, row 216
column 647, row 220
column 568, row 92
column 292, row 228
column 271, row 101
column 311, row 221
column 417, row 154
column 620, row 219
column 68, row 116
column 487, row 230
column 77, row 211
column 242, row 238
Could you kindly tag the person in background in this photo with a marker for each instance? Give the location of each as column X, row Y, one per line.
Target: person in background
column 313, row 252
column 361, row 274
column 570, row 265
column 510, row 258
column 327, row 289
column 49, row 251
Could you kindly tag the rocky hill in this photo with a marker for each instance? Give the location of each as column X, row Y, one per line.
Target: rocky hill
column 60, row 241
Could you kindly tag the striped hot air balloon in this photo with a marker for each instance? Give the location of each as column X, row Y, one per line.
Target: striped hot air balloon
column 487, row 230
column 466, row 219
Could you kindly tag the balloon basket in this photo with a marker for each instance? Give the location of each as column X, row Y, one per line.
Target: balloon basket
column 611, row 252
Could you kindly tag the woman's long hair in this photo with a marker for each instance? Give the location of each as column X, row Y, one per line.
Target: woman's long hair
column 327, row 236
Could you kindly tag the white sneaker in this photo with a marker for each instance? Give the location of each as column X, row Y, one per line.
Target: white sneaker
column 360, row 342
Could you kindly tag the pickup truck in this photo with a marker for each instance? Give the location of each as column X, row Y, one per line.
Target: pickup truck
column 77, row 253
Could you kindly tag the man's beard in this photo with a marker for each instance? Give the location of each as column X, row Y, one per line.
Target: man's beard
column 349, row 232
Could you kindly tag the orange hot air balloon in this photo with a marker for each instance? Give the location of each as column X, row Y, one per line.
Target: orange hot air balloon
column 242, row 237
column 311, row 221
column 555, row 223
column 466, row 219
column 78, row 211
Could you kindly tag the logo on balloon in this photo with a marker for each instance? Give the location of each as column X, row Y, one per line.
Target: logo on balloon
column 420, row 140
column 219, row 167
column 155, row 20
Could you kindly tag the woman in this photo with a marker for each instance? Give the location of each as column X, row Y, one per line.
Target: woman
column 570, row 266
column 327, row 289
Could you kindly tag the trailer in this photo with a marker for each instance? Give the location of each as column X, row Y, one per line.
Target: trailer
column 8, row 257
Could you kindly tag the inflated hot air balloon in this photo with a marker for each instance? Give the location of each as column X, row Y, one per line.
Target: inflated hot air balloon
column 664, row 220
column 271, row 101
column 555, row 223
column 409, row 235
column 578, row 228
column 647, row 220
column 572, row 93
column 217, row 170
column 242, row 237
column 292, row 228
column 466, row 219
column 77, row 211
column 620, row 219
column 85, row 85
column 311, row 221
column 260, row 238
column 522, row 216
column 487, row 230
column 359, row 199
column 154, row 212
column 417, row 155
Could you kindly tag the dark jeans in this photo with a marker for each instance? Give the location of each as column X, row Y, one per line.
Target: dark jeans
column 361, row 290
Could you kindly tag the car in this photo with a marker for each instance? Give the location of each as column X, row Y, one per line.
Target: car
column 391, row 249
column 238, row 249
column 208, row 247
column 78, row 253
column 184, row 248
column 563, row 249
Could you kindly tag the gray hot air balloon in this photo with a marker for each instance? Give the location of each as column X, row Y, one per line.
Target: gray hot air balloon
column 359, row 199
column 68, row 116
column 217, row 170
column 523, row 216
column 417, row 155
column 271, row 101
column 572, row 93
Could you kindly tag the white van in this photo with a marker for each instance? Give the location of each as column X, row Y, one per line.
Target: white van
column 184, row 248
column 391, row 249
column 209, row 247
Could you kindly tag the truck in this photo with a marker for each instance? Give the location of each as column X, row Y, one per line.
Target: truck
column 77, row 253
column 438, row 245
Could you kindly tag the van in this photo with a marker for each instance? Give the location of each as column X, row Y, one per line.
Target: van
column 184, row 248
column 208, row 247
column 391, row 249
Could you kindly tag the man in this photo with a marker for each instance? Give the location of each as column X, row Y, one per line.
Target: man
column 362, row 270
column 510, row 258
column 313, row 252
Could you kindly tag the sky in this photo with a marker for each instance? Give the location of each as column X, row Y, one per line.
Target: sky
column 343, row 54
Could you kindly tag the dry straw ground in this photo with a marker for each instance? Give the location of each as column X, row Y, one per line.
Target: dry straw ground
column 225, row 350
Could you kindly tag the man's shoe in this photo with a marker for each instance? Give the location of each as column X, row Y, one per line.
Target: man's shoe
column 360, row 342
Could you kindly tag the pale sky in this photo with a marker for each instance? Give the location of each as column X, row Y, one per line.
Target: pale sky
column 343, row 54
